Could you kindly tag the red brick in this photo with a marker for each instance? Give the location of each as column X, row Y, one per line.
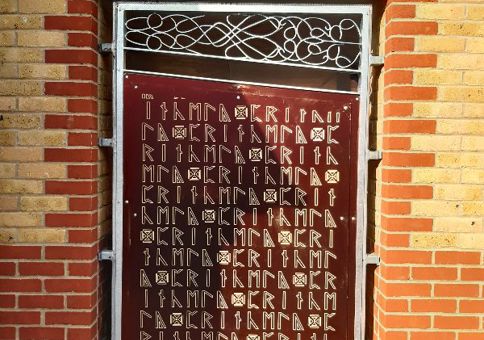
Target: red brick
column 70, row 155
column 396, row 175
column 71, row 220
column 396, row 208
column 71, row 56
column 432, row 335
column 394, row 240
column 71, row 318
column 406, row 289
column 7, row 333
column 398, row 44
column 406, row 256
column 83, row 236
column 457, row 257
column 41, row 301
column 406, row 224
column 81, row 333
column 471, row 306
column 70, row 89
column 41, row 333
column 472, row 274
column 70, row 122
column 471, row 336
column 400, row 11
column 409, row 126
column 82, row 7
column 70, row 23
column 407, row 191
column 82, row 139
column 7, row 268
column 82, row 301
column 82, row 40
column 40, row 268
column 83, row 203
column 396, row 143
column 83, row 269
column 406, row 321
column 20, row 285
column 411, row 28
column 410, row 93
column 395, row 305
column 429, row 273
column 19, row 252
column 408, row 159
column 70, row 253
column 7, row 301
column 82, row 105
column 409, row 61
column 398, row 109
column 456, row 290
column 82, row 171
column 70, row 285
column 434, row 305
column 71, row 187
column 398, row 76
column 19, row 318
column 456, row 322
column 83, row 73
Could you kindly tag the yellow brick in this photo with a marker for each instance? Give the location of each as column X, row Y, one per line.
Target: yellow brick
column 8, row 235
column 20, row 87
column 473, row 143
column 7, row 170
column 41, row 236
column 49, row 71
column 43, row 203
column 473, row 110
column 474, row 45
column 21, row 55
column 8, row 137
column 21, row 154
column 7, row 104
column 461, row 28
column 8, row 6
column 42, row 170
column 473, row 208
column 19, row 22
column 432, row 240
column 475, row 12
column 475, row 176
column 441, row 110
column 17, row 186
column 457, row 192
column 42, row 137
column 461, row 61
column 439, row 44
column 467, row 94
column 456, row 127
column 474, row 77
column 42, row 104
column 434, row 175
column 7, row 38
column 41, row 38
column 436, row 208
column 458, row 224
column 20, row 219
column 20, row 121
column 436, row 77
column 435, row 143
column 8, row 203
column 440, row 11
column 470, row 241
column 42, row 6
column 8, row 71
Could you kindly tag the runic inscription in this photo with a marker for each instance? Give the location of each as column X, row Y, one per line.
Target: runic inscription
column 237, row 209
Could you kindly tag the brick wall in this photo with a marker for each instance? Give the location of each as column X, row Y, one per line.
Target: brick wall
column 430, row 182
column 52, row 176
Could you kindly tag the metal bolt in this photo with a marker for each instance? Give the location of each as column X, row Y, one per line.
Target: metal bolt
column 126, row 202
column 345, row 107
column 342, row 218
column 135, row 214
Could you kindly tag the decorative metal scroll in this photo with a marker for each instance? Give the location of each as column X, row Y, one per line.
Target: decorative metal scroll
column 329, row 42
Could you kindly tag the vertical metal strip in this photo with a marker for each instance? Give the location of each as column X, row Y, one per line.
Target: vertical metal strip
column 362, row 216
column 117, row 228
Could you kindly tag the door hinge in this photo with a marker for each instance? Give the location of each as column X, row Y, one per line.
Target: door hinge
column 373, row 259
column 105, row 142
column 376, row 60
column 105, row 48
column 374, row 155
column 106, row 255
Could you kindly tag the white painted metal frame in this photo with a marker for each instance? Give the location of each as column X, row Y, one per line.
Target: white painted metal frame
column 363, row 153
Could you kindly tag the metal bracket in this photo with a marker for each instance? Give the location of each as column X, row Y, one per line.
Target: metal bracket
column 372, row 259
column 105, row 142
column 374, row 155
column 105, row 48
column 376, row 60
column 106, row 255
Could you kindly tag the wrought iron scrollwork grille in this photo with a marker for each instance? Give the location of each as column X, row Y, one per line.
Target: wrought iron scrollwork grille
column 325, row 41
